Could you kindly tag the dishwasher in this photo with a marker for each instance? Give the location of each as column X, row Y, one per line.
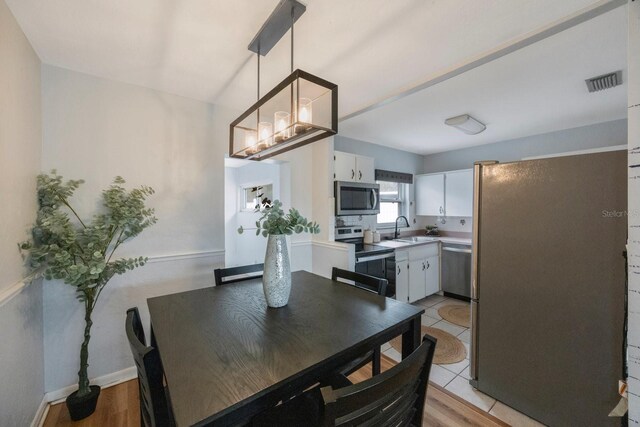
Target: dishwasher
column 456, row 270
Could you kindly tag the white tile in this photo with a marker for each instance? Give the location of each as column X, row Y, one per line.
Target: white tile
column 385, row 346
column 465, row 336
column 466, row 374
column 461, row 387
column 428, row 321
column 433, row 313
column 467, row 347
column 512, row 417
column 454, row 330
column 456, row 368
column 440, row 376
column 393, row 353
column 432, row 300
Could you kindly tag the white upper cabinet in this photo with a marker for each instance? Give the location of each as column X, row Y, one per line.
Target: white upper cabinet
column 354, row 168
column 445, row 194
column 459, row 193
column 430, row 194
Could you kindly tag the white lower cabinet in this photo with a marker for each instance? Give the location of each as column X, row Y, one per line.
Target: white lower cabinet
column 402, row 276
column 417, row 272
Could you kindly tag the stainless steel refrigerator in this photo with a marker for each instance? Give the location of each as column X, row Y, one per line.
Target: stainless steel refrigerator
column 548, row 282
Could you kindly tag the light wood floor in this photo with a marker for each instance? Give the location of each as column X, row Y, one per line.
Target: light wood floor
column 118, row 407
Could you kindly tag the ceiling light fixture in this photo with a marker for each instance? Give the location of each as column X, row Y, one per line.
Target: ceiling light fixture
column 301, row 109
column 466, row 124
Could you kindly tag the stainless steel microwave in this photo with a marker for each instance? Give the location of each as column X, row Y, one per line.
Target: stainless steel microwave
column 357, row 198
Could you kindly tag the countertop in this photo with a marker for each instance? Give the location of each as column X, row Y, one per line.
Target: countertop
column 397, row 245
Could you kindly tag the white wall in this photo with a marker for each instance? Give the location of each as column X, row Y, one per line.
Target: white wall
column 96, row 129
column 633, row 334
column 21, row 352
column 247, row 248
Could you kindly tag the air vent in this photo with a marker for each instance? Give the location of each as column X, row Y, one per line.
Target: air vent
column 606, row 81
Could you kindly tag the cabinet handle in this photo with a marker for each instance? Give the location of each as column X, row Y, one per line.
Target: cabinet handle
column 441, row 209
column 428, row 265
column 423, row 267
column 398, row 269
column 353, row 174
column 359, row 175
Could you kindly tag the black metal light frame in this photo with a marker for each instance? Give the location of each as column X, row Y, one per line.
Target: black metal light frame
column 311, row 133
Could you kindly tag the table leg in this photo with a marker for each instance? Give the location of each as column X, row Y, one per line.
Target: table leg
column 411, row 338
column 375, row 364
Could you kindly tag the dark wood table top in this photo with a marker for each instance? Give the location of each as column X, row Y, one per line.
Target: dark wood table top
column 222, row 348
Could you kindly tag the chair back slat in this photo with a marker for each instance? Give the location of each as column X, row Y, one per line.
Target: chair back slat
column 153, row 401
column 225, row 276
column 362, row 281
column 393, row 398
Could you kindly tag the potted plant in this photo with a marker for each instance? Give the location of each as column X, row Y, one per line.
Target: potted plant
column 276, row 225
column 80, row 253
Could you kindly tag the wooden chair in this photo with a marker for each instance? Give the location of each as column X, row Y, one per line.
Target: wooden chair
column 154, row 407
column 362, row 281
column 393, row 398
column 371, row 284
column 237, row 274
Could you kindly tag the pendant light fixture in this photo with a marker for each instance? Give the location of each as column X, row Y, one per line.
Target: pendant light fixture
column 301, row 109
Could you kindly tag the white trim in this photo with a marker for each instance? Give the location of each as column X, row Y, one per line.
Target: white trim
column 104, row 381
column 41, row 413
column 520, row 42
column 303, row 243
column 186, row 255
column 578, row 152
column 332, row 245
column 15, row 289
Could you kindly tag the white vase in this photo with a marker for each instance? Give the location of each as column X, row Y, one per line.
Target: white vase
column 276, row 279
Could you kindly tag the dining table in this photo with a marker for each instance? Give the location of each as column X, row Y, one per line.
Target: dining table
column 227, row 356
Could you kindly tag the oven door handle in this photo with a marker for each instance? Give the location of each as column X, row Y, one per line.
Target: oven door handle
column 375, row 257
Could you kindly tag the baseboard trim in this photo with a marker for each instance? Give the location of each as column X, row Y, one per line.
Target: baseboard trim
column 41, row 413
column 15, row 289
column 104, row 381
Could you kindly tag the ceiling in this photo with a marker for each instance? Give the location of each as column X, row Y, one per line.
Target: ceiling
column 535, row 90
column 371, row 48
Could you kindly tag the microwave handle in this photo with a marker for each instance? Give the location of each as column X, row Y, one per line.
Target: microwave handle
column 374, row 198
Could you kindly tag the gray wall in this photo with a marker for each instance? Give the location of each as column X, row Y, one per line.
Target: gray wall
column 593, row 136
column 21, row 348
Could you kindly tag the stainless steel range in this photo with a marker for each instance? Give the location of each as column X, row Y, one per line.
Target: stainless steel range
column 371, row 259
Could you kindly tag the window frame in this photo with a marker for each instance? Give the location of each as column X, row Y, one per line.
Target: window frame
column 401, row 200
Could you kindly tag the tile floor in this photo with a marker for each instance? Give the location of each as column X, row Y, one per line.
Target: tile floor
column 455, row 377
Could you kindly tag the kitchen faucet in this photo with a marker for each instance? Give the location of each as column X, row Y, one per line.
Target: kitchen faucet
column 397, row 233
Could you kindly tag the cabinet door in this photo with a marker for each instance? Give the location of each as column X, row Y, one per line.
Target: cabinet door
column 459, row 193
column 430, row 195
column 432, row 275
column 365, row 169
column 344, row 166
column 417, row 279
column 402, row 280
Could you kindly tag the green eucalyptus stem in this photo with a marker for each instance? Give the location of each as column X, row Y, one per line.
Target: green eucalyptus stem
column 83, row 376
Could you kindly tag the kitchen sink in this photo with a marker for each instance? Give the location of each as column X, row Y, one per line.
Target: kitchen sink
column 417, row 239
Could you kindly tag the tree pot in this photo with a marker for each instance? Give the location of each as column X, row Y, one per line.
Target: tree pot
column 82, row 407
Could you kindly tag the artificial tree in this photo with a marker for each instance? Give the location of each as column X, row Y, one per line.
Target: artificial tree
column 80, row 253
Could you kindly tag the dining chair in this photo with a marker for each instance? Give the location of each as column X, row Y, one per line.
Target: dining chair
column 154, row 406
column 396, row 397
column 371, row 284
column 237, row 274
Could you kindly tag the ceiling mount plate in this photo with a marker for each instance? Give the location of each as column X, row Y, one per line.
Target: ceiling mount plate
column 276, row 26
